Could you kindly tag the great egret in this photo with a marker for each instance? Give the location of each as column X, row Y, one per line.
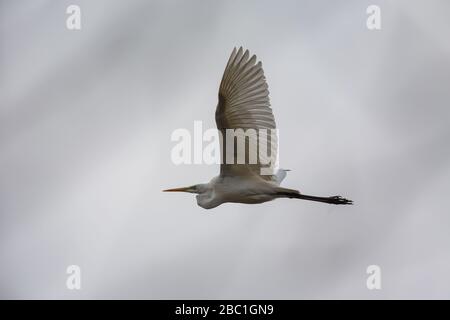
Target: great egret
column 244, row 103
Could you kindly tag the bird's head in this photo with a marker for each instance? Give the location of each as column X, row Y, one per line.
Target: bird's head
column 205, row 195
column 196, row 188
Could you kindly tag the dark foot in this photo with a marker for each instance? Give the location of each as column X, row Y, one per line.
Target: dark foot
column 339, row 200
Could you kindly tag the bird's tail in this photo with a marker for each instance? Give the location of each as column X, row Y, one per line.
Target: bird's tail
column 291, row 193
column 280, row 175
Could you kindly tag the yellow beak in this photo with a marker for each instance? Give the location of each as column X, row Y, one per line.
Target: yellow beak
column 186, row 189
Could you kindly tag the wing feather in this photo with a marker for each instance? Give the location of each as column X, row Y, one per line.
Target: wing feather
column 244, row 104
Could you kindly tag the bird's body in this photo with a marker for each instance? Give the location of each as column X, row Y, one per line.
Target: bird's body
column 236, row 189
column 244, row 105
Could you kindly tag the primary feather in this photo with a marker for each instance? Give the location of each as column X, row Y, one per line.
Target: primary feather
column 244, row 104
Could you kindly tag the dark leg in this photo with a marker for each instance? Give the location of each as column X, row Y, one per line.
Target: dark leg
column 331, row 200
column 289, row 193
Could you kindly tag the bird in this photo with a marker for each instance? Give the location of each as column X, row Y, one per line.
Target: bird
column 243, row 103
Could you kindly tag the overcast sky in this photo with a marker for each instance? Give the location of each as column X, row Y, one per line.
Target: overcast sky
column 85, row 124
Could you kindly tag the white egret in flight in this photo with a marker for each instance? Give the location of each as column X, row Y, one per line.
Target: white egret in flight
column 244, row 104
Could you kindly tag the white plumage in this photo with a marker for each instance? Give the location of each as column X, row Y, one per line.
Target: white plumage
column 244, row 104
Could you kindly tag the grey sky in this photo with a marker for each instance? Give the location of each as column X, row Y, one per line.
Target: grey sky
column 85, row 124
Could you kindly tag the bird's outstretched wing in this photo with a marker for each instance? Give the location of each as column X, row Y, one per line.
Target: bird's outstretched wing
column 244, row 104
